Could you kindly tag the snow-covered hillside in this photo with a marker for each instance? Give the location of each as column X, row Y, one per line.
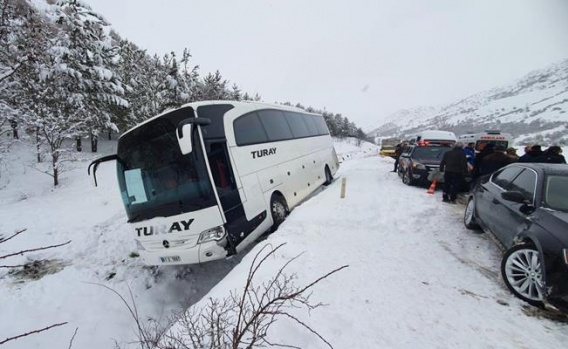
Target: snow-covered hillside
column 534, row 108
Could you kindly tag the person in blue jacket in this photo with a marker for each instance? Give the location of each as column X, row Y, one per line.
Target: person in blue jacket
column 469, row 151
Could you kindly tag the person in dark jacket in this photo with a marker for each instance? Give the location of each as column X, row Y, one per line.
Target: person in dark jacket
column 398, row 150
column 552, row 155
column 454, row 166
column 397, row 153
column 512, row 153
column 495, row 161
column 534, row 153
column 488, row 149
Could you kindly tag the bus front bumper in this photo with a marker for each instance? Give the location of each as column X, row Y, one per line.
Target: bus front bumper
column 200, row 253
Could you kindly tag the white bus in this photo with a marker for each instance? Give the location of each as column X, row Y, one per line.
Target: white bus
column 203, row 181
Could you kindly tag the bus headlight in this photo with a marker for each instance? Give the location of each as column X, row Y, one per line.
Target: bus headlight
column 214, row 234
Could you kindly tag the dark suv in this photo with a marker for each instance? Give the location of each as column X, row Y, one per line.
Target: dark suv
column 419, row 163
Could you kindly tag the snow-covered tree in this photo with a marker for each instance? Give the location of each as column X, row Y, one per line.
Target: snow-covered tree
column 213, row 86
column 67, row 89
column 88, row 55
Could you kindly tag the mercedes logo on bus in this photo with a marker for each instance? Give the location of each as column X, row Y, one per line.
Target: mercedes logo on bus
column 166, row 244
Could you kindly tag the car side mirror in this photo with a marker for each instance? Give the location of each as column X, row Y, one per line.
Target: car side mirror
column 514, row 196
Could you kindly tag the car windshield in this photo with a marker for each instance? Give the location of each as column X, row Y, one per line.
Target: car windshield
column 556, row 192
column 430, row 153
column 155, row 178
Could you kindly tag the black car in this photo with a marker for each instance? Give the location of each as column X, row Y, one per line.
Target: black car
column 525, row 207
column 419, row 164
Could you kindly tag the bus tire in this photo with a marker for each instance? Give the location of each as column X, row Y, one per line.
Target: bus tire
column 278, row 210
column 328, row 176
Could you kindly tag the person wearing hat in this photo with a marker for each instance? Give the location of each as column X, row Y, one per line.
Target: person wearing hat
column 495, row 161
column 512, row 153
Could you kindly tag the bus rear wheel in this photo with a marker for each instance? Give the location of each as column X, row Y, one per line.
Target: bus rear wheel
column 278, row 209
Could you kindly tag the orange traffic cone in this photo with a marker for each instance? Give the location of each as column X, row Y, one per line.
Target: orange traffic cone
column 432, row 188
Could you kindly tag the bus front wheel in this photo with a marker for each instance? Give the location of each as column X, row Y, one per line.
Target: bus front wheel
column 278, row 209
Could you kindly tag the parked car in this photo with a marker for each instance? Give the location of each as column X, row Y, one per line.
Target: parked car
column 420, row 163
column 525, row 207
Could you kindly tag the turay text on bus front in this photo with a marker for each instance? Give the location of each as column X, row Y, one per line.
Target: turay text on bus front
column 163, row 229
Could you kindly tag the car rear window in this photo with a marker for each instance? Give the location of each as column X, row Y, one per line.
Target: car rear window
column 430, row 153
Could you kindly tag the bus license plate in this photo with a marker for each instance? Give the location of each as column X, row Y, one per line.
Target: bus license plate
column 170, row 259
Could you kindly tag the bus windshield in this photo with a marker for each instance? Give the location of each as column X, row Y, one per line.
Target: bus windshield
column 155, row 179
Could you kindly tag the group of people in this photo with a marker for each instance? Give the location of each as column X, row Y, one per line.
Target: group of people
column 463, row 161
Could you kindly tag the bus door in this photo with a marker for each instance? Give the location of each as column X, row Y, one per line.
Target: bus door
column 226, row 185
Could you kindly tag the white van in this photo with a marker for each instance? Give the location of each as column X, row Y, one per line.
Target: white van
column 433, row 136
column 490, row 136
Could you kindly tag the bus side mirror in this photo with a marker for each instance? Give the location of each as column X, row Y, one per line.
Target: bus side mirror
column 184, row 133
column 184, row 138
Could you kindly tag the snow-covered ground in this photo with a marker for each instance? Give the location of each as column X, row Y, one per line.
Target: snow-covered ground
column 416, row 276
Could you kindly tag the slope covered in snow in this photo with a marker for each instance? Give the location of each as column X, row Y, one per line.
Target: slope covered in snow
column 534, row 108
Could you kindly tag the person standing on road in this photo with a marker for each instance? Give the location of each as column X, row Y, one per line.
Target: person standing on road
column 454, row 166
column 469, row 152
column 531, row 155
column 512, row 153
column 495, row 161
column 398, row 149
column 488, row 149
column 552, row 155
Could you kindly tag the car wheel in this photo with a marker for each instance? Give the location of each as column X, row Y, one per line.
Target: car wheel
column 469, row 215
column 278, row 209
column 406, row 178
column 328, row 176
column 522, row 272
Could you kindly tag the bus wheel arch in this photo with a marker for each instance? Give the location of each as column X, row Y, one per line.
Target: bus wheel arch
column 328, row 176
column 278, row 209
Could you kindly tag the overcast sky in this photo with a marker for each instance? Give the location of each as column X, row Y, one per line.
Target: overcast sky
column 362, row 58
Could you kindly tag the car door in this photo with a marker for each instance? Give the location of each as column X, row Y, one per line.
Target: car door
column 488, row 195
column 510, row 220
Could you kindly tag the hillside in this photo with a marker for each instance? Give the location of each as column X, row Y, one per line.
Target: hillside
column 532, row 108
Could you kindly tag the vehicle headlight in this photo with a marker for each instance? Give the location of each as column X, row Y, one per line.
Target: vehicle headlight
column 418, row 166
column 565, row 255
column 214, row 234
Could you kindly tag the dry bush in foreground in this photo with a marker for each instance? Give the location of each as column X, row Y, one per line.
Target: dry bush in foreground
column 241, row 320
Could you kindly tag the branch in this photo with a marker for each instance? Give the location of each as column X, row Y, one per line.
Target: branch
column 72, row 338
column 32, row 332
column 34, row 249
column 13, row 236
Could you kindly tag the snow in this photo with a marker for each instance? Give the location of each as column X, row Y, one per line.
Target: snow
column 416, row 276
